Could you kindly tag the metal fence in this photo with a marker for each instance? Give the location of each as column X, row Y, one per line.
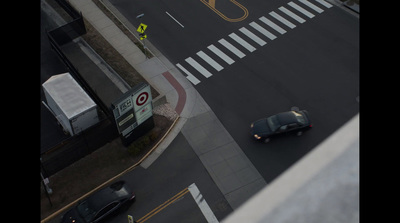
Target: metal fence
column 76, row 147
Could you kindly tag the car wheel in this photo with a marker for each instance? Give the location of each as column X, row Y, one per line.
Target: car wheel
column 267, row 140
column 299, row 133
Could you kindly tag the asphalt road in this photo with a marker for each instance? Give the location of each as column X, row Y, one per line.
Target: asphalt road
column 314, row 66
column 161, row 190
column 176, row 169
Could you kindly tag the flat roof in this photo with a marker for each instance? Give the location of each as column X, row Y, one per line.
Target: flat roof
column 68, row 94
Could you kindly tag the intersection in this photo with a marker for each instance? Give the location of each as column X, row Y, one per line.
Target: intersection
column 279, row 55
column 302, row 53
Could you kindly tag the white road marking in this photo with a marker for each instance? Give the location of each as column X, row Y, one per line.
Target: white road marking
column 209, row 60
column 272, row 25
column 242, row 42
column 202, row 203
column 252, row 36
column 300, row 9
column 221, row 54
column 198, row 67
column 189, row 76
column 230, row 47
column 291, row 14
column 174, row 19
column 314, row 7
column 324, row 3
column 262, row 30
column 283, row 20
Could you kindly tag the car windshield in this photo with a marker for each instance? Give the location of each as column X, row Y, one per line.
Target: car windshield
column 85, row 212
column 299, row 117
column 273, row 123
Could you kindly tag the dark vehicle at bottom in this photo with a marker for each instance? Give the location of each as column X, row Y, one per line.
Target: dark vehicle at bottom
column 291, row 121
column 101, row 204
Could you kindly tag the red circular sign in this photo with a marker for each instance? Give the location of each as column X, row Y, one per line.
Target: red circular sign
column 142, row 98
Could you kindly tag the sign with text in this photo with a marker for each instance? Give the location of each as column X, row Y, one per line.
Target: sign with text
column 133, row 108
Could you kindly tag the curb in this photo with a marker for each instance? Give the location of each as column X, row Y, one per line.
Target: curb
column 114, row 177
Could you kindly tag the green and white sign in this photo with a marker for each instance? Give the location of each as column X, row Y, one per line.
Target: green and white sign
column 133, row 108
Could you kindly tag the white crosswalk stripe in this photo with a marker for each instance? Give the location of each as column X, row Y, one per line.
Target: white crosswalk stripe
column 324, row 3
column 233, row 49
column 189, row 76
column 198, row 67
column 300, row 9
column 314, row 7
column 272, row 25
column 262, row 30
column 252, row 36
column 242, row 42
column 283, row 20
column 209, row 60
column 221, row 54
column 291, row 14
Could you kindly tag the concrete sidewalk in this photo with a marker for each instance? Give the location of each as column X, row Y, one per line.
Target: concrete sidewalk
column 226, row 163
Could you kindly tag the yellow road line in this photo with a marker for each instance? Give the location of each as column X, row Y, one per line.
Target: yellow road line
column 163, row 205
column 211, row 5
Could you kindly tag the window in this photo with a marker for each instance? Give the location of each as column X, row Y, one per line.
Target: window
column 107, row 209
column 293, row 126
column 283, row 128
column 273, row 123
column 299, row 117
column 85, row 211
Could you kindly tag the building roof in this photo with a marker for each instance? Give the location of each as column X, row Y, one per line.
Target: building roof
column 68, row 94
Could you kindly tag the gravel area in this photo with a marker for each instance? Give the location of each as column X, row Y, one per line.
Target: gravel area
column 166, row 111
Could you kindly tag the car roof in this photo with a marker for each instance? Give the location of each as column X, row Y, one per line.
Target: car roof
column 105, row 196
column 286, row 118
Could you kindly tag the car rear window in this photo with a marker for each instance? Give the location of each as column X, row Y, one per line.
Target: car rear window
column 299, row 117
column 117, row 186
column 273, row 123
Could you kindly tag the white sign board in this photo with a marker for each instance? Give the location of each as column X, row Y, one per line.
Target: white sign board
column 142, row 105
column 133, row 108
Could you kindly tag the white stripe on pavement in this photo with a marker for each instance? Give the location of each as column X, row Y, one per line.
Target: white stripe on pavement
column 314, row 7
column 252, row 36
column 198, row 67
column 189, row 76
column 209, row 60
column 272, row 25
column 202, row 203
column 283, row 20
column 291, row 14
column 300, row 9
column 262, row 30
column 324, row 3
column 242, row 42
column 221, row 54
column 230, row 47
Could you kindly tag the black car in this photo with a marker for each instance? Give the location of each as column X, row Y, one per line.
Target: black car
column 291, row 121
column 101, row 204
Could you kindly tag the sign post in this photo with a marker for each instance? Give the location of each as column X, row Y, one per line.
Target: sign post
column 142, row 27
